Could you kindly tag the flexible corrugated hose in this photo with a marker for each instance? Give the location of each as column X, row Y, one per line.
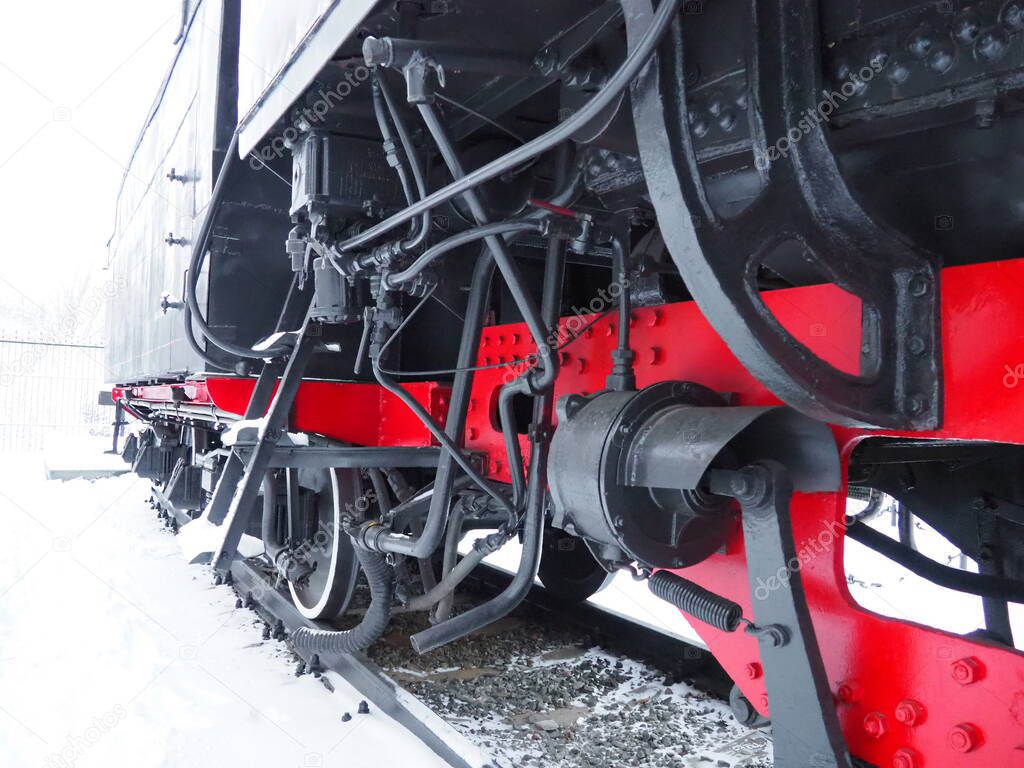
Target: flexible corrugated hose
column 375, row 621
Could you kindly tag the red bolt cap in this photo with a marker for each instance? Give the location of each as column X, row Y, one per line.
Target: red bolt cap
column 874, row 725
column 910, row 712
column 846, row 692
column 753, row 670
column 764, row 702
column 964, row 737
column 905, row 758
column 967, row 670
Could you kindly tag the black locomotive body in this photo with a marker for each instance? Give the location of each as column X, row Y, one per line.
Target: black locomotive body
column 625, row 280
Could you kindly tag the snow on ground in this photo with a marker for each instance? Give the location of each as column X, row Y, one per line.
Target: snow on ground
column 876, row 583
column 115, row 652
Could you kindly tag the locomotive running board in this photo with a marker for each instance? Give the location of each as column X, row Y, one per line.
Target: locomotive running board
column 356, row 670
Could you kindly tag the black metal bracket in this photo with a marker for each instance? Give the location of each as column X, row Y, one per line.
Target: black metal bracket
column 240, row 489
column 805, row 725
column 804, row 200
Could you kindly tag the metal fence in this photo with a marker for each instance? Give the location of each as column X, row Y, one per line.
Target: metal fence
column 49, row 391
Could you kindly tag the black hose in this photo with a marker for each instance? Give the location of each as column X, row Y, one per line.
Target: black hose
column 382, row 590
column 458, row 404
column 616, row 84
column 905, row 523
column 510, row 436
column 418, row 174
column 622, row 377
column 983, row 585
column 506, row 602
column 452, row 539
column 456, row 575
column 395, row 279
column 421, row 413
column 544, row 375
column 199, row 248
column 418, row 227
column 190, row 337
column 533, row 519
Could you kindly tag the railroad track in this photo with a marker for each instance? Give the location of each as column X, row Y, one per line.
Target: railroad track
column 553, row 684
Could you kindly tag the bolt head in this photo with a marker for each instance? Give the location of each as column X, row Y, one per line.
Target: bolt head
column 905, row 758
column 964, row 737
column 967, row 670
column 846, row 692
column 752, row 670
column 910, row 712
column 875, row 724
column 764, row 702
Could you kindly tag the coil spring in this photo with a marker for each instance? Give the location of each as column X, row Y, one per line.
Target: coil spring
column 718, row 611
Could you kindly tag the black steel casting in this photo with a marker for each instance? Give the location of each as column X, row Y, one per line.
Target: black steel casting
column 805, row 200
column 805, row 727
column 242, row 499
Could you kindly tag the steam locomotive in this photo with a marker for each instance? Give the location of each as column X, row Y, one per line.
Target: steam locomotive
column 648, row 286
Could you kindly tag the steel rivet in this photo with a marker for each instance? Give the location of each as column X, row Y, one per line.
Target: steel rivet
column 898, row 73
column 920, row 44
column 1012, row 16
column 846, row 692
column 916, row 345
column 967, row 670
column 918, row 285
column 966, row 29
column 910, row 712
column 941, row 59
column 878, row 58
column 916, row 405
column 991, row 44
column 964, row 737
column 874, row 725
column 905, row 758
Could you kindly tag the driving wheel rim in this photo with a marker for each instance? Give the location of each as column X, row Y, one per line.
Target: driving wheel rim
column 328, row 589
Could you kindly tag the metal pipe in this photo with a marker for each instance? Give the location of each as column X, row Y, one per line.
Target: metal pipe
column 437, row 515
column 548, row 369
column 952, row 578
column 455, row 576
column 382, row 99
column 270, row 525
column 500, row 606
column 452, row 539
column 618, row 82
column 533, row 523
column 622, row 377
column 398, row 53
column 394, row 280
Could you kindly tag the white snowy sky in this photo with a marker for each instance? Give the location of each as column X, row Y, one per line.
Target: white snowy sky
column 76, row 81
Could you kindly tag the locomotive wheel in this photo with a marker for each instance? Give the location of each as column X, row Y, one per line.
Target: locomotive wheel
column 568, row 569
column 326, row 592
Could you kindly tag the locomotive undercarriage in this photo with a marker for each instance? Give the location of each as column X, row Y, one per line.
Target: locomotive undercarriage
column 496, row 263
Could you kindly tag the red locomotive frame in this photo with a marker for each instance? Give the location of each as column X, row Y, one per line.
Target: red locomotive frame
column 907, row 695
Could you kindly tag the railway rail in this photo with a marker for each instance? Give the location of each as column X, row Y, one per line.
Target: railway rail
column 548, row 627
column 648, row 285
